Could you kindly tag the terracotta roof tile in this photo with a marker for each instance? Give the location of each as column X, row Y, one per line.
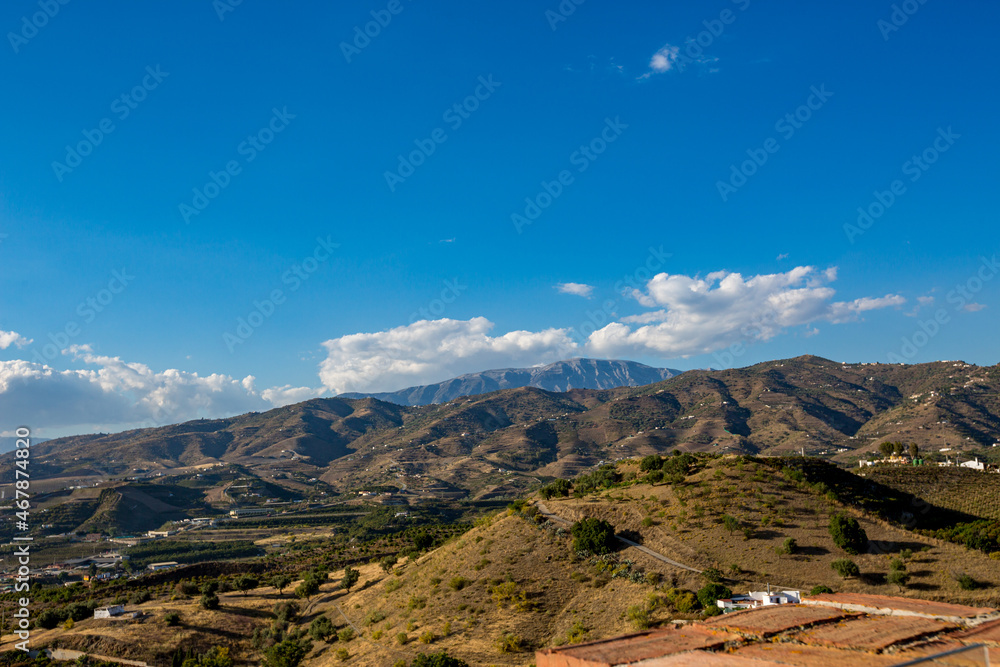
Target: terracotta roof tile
column 872, row 633
column 706, row 659
column 773, row 619
column 814, row 656
column 988, row 633
column 887, row 603
column 636, row 647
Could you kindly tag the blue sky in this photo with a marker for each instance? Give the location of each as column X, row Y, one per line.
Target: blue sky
column 643, row 110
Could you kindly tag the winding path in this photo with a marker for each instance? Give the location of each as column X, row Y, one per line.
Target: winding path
column 658, row 556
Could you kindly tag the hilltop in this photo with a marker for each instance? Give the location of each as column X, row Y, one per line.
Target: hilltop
column 559, row 376
column 502, row 443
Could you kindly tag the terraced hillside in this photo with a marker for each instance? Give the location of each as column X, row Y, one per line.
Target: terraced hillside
column 968, row 491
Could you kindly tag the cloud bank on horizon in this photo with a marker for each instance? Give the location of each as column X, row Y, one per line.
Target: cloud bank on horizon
column 684, row 316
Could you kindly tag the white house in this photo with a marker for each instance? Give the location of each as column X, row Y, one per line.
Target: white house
column 162, row 566
column 754, row 599
column 975, row 465
column 108, row 612
column 248, row 511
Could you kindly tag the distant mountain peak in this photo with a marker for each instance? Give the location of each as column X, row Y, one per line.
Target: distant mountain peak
column 576, row 373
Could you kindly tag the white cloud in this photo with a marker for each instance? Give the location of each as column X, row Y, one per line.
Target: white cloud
column 846, row 312
column 925, row 300
column 113, row 392
column 973, row 307
column 700, row 315
column 578, row 289
column 8, row 338
column 431, row 351
column 687, row 316
column 664, row 59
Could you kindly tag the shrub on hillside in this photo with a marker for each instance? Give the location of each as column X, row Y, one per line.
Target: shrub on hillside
column 898, row 577
column 651, row 462
column 848, row 534
column 845, row 568
column 787, row 547
column 509, row 643
column 559, row 487
column 441, row 659
column 595, row 536
column 820, row 590
column 638, row 617
column 288, row 653
column 321, row 628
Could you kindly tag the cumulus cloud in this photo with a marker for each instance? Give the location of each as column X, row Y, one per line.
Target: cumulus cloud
column 578, row 289
column 687, row 315
column 973, row 307
column 113, row 392
column 8, row 338
column 700, row 315
column 431, row 351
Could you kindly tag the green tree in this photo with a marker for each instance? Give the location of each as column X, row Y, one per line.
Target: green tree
column 651, row 462
column 820, row 590
column 899, row 578
column 288, row 653
column 914, row 450
column 848, row 534
column 709, row 594
column 351, row 577
column 441, row 659
column 308, row 588
column 209, row 601
column 422, row 540
column 787, row 547
column 730, row 522
column 281, row 582
column 387, row 563
column 245, row 583
column 217, row 656
column 49, row 619
column 845, row 568
column 886, row 448
column 320, row 628
column 558, row 487
column 594, row 535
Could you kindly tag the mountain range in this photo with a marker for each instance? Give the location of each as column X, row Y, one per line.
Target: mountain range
column 558, row 376
column 505, row 442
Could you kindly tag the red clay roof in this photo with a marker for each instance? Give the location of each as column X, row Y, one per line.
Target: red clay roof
column 988, row 633
column 633, row 648
column 772, row 619
column 872, row 633
column 814, row 656
column 887, row 603
column 706, row 659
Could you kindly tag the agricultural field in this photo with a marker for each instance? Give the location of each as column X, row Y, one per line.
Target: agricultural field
column 967, row 491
